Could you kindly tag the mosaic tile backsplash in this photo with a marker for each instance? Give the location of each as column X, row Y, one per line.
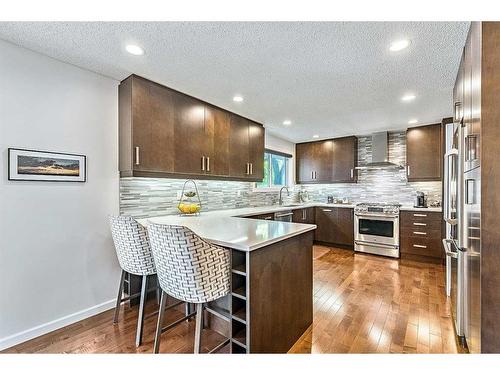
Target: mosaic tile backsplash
column 145, row 197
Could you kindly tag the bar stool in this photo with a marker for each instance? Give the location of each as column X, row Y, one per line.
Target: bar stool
column 190, row 270
column 135, row 257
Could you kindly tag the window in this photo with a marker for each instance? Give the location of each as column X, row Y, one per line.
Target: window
column 275, row 170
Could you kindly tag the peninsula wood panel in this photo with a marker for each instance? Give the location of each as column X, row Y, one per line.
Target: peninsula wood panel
column 281, row 294
column 424, row 153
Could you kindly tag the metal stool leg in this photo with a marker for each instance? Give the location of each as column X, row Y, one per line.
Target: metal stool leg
column 140, row 319
column 197, row 332
column 119, row 298
column 159, row 324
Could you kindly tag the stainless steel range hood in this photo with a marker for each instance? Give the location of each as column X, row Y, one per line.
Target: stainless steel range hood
column 380, row 153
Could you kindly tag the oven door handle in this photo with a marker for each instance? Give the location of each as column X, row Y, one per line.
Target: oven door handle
column 382, row 246
column 377, row 217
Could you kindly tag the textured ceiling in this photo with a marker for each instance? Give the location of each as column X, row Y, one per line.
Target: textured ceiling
column 328, row 78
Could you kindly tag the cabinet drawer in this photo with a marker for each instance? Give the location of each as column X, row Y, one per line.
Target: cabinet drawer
column 421, row 216
column 431, row 247
column 421, row 232
column 420, row 223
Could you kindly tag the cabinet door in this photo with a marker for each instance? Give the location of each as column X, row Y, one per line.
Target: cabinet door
column 190, row 138
column 423, row 153
column 344, row 227
column 335, row 225
column 322, row 161
column 345, row 159
column 152, row 126
column 217, row 136
column 256, row 150
column 304, row 163
column 325, row 221
column 238, row 147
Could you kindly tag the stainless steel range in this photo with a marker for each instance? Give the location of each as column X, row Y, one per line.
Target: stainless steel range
column 376, row 229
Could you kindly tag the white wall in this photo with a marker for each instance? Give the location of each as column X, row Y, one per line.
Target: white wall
column 57, row 261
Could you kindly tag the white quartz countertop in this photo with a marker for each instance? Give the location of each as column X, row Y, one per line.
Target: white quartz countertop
column 231, row 228
column 234, row 232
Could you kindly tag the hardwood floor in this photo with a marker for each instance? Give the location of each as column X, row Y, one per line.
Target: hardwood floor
column 362, row 304
column 369, row 304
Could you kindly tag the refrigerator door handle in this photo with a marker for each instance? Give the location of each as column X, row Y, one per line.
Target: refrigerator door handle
column 453, row 153
column 447, row 243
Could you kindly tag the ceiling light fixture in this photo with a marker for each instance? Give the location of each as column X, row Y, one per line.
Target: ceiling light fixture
column 287, row 122
column 399, row 45
column 408, row 98
column 134, row 50
column 413, row 121
column 315, row 136
column 237, row 98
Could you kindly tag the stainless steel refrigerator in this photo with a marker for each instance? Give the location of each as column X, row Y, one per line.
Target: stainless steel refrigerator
column 462, row 243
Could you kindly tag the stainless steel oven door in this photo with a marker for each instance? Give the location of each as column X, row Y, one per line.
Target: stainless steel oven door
column 378, row 229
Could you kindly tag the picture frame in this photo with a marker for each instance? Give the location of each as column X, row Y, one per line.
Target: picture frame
column 36, row 165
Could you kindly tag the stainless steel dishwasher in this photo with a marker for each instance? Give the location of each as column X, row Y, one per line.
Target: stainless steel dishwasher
column 283, row 216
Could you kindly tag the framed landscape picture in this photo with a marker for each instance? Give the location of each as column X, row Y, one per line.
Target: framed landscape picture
column 32, row 165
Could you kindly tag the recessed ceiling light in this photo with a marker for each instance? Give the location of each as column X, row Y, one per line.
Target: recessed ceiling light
column 399, row 45
column 134, row 50
column 408, row 98
column 315, row 136
column 413, row 121
column 287, row 122
column 237, row 98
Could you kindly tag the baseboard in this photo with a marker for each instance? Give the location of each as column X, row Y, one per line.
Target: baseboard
column 42, row 329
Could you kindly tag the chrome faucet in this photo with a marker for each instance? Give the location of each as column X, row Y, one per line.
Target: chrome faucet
column 280, row 202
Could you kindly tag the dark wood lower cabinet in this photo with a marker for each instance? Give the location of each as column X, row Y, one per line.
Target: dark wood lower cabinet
column 421, row 235
column 304, row 215
column 335, row 225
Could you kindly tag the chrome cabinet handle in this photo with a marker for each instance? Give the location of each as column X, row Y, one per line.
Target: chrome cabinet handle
column 420, row 246
column 352, row 173
column 420, row 215
column 408, row 170
column 202, row 163
column 137, row 161
column 312, row 175
column 325, row 210
column 315, row 175
column 268, row 218
column 208, row 164
column 251, row 168
column 420, row 224
column 422, row 233
column 248, row 168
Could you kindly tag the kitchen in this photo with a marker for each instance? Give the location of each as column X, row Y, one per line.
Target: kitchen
column 367, row 237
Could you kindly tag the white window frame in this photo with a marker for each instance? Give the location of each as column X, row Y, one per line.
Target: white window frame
column 288, row 174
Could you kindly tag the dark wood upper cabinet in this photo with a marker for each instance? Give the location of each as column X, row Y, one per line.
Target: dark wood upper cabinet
column 239, row 144
column 335, row 225
column 190, row 138
column 256, row 150
column 217, row 130
column 164, row 133
column 146, row 127
column 424, row 153
column 332, row 160
column 345, row 159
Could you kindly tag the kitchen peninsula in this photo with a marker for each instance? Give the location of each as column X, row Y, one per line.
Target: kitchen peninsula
column 270, row 304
